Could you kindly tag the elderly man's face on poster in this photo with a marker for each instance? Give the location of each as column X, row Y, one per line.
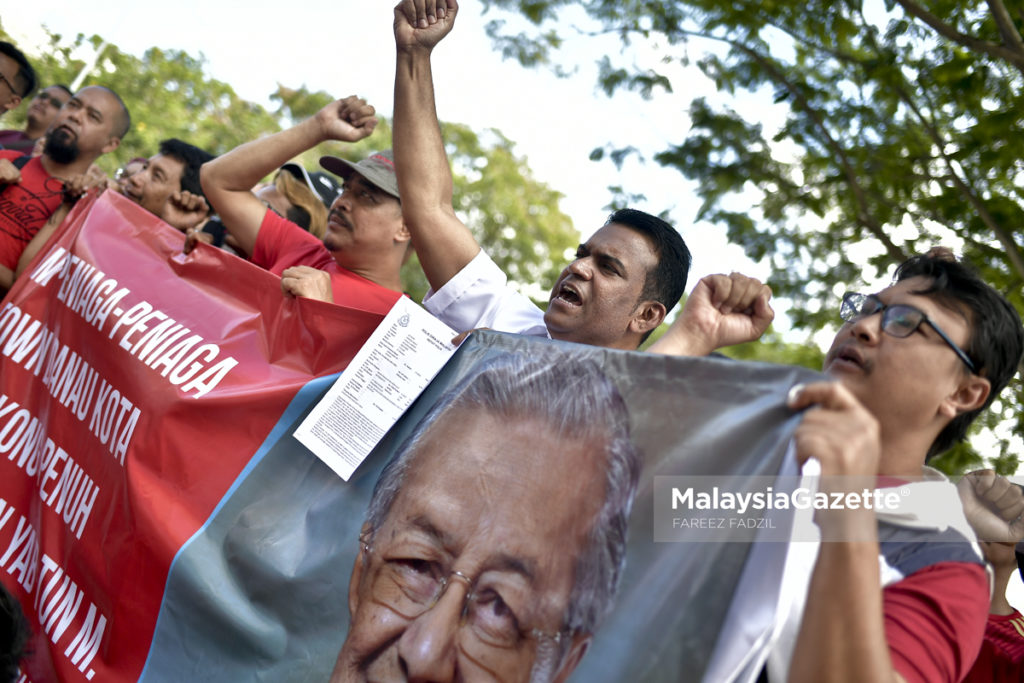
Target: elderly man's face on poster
column 470, row 575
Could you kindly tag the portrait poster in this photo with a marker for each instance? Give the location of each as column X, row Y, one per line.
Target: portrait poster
column 263, row 592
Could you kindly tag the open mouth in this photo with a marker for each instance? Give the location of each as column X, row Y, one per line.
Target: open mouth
column 568, row 294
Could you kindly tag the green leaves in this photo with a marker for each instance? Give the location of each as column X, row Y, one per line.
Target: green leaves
column 903, row 130
column 166, row 92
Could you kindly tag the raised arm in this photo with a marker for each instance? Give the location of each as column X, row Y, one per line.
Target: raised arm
column 993, row 505
column 442, row 242
column 722, row 310
column 228, row 180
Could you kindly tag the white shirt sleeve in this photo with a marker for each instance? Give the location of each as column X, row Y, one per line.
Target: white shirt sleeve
column 479, row 296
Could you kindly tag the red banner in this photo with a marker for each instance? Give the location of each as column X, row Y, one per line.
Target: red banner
column 136, row 383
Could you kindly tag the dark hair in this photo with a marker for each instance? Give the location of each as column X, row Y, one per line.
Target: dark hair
column 996, row 340
column 192, row 157
column 666, row 282
column 65, row 89
column 25, row 79
column 14, row 635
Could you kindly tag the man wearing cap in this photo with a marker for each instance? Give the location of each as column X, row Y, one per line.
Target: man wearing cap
column 359, row 260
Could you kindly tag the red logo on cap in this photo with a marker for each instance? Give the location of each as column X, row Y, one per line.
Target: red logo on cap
column 383, row 159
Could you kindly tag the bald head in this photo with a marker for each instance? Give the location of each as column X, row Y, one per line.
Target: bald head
column 121, row 120
column 90, row 124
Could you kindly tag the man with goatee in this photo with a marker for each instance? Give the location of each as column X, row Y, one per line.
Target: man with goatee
column 92, row 123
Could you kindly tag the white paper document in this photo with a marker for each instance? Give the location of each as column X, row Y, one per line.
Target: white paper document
column 392, row 368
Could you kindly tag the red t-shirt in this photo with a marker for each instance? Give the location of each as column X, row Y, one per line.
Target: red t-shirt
column 934, row 620
column 1002, row 653
column 25, row 207
column 281, row 244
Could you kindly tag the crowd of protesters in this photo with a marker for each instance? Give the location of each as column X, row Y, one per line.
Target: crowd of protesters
column 913, row 365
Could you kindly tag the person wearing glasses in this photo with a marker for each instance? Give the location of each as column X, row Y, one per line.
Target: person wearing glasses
column 888, row 597
column 495, row 538
column 41, row 114
column 17, row 77
column 91, row 124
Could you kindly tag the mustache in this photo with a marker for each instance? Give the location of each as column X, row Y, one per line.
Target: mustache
column 339, row 217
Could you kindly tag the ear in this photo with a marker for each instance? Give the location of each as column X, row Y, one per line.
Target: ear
column 13, row 102
column 647, row 316
column 969, row 395
column 402, row 235
column 112, row 144
column 579, row 647
column 357, row 573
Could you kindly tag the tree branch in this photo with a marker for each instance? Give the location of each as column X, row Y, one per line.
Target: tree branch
column 1011, row 38
column 947, row 31
column 1005, row 239
column 863, row 213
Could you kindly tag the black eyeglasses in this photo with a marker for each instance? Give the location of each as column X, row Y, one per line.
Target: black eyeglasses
column 898, row 320
column 7, row 83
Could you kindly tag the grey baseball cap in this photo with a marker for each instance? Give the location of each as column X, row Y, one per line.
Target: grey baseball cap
column 378, row 168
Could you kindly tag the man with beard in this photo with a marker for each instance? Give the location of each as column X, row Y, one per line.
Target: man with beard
column 167, row 185
column 359, row 260
column 92, row 123
column 41, row 115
